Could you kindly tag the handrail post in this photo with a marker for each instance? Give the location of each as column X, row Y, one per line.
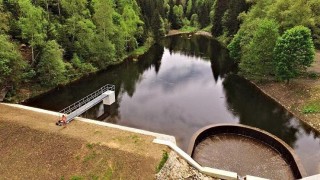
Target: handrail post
column 78, row 104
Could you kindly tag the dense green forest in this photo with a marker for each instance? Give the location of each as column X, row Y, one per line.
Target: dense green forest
column 52, row 42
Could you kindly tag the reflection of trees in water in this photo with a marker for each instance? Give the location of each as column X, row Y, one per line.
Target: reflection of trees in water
column 257, row 110
column 309, row 130
column 195, row 46
column 127, row 75
column 130, row 72
column 204, row 47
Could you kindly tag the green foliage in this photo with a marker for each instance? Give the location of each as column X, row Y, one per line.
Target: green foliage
column 51, row 68
column 294, row 52
column 92, row 39
column 158, row 26
column 235, row 47
column 82, row 67
column 230, row 21
column 287, row 14
column 188, row 29
column 219, row 9
column 311, row 109
column 291, row 13
column 253, row 47
column 257, row 59
column 4, row 20
column 164, row 159
column 177, row 17
column 11, row 64
column 32, row 23
column 132, row 27
column 194, row 21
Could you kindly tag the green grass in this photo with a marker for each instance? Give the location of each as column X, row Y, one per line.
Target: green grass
column 89, row 157
column 90, row 145
column 135, row 138
column 207, row 29
column 188, row 29
column 77, row 178
column 164, row 159
column 312, row 108
column 142, row 49
column 108, row 173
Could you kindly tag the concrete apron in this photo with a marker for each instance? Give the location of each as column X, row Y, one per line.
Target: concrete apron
column 162, row 139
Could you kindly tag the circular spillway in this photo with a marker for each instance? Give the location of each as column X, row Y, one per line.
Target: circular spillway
column 245, row 150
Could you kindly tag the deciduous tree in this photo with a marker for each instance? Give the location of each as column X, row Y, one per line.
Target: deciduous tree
column 294, row 52
column 51, row 68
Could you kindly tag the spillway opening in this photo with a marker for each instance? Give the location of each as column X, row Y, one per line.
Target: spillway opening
column 245, row 150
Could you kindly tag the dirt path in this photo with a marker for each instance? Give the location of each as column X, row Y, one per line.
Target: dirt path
column 32, row 147
column 316, row 65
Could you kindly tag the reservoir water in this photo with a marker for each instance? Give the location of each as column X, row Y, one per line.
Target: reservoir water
column 180, row 86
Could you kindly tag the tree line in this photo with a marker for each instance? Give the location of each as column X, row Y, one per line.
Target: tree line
column 54, row 41
column 277, row 38
column 271, row 38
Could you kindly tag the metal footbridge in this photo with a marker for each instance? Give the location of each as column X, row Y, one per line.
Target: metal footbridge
column 105, row 93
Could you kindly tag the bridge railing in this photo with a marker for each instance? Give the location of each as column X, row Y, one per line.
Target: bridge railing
column 87, row 99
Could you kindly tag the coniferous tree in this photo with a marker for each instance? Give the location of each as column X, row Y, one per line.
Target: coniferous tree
column 219, row 9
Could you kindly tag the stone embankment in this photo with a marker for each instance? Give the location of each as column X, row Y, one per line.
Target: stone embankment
column 178, row 168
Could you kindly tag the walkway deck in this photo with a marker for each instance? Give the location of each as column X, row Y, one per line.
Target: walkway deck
column 88, row 102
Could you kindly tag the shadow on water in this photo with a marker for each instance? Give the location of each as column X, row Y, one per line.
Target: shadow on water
column 125, row 75
column 181, row 86
column 257, row 110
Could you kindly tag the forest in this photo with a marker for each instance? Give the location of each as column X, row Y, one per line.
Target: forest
column 52, row 42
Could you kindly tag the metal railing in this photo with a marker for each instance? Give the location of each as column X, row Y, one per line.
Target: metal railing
column 87, row 99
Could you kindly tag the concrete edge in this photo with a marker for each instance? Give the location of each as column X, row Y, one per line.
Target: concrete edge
column 314, row 177
column 254, row 178
column 287, row 153
column 159, row 136
column 222, row 174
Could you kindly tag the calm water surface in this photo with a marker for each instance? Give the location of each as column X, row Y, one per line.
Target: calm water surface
column 181, row 86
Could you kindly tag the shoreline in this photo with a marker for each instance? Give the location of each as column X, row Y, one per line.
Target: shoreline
column 198, row 33
column 278, row 91
column 310, row 120
column 24, row 93
column 286, row 106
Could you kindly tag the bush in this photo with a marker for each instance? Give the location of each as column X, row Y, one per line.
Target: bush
column 294, row 52
column 81, row 67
